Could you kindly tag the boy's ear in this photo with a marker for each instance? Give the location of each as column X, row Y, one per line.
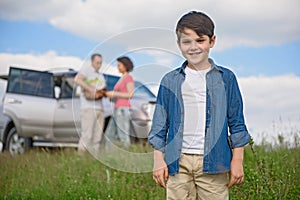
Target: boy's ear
column 178, row 42
column 213, row 41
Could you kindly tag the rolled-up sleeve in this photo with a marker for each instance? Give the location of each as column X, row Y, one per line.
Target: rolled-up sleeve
column 239, row 135
column 158, row 133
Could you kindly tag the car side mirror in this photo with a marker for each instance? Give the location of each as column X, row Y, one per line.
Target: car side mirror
column 57, row 92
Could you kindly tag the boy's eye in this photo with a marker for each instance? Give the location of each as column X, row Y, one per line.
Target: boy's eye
column 200, row 40
column 186, row 42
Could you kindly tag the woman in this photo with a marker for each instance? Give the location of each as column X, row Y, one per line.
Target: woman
column 119, row 126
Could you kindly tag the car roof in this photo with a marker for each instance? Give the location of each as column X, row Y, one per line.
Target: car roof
column 61, row 71
column 57, row 72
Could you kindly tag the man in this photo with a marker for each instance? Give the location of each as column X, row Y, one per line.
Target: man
column 92, row 84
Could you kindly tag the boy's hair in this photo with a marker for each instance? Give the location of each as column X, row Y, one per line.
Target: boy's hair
column 95, row 55
column 198, row 22
column 126, row 62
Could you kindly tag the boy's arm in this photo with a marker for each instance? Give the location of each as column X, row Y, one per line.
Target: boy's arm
column 158, row 134
column 239, row 135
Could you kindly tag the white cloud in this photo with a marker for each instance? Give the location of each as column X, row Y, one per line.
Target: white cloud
column 43, row 61
column 46, row 61
column 271, row 105
column 250, row 23
column 31, row 9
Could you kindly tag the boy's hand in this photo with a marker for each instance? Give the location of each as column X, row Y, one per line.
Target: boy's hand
column 236, row 167
column 160, row 170
column 236, row 173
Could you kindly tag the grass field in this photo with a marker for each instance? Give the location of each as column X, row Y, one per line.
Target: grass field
column 271, row 173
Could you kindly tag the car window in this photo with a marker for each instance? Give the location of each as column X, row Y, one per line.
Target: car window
column 68, row 87
column 29, row 82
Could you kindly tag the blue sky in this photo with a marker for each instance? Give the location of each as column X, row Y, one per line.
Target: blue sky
column 267, row 60
column 258, row 40
column 39, row 37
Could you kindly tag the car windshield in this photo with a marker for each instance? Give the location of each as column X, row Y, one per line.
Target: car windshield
column 141, row 91
column 111, row 81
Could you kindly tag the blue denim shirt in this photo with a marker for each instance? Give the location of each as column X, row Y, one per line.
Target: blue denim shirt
column 224, row 110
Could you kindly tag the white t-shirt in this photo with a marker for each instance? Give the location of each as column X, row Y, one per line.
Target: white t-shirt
column 194, row 101
column 95, row 79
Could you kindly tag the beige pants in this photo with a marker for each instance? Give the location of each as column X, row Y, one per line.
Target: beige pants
column 191, row 184
column 92, row 121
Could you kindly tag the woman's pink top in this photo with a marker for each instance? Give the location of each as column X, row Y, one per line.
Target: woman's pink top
column 122, row 87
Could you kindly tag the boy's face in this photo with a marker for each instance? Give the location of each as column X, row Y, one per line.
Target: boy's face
column 195, row 48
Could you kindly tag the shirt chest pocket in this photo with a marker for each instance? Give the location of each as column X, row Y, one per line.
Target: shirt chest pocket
column 217, row 93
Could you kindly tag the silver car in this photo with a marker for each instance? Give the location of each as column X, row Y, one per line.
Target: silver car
column 42, row 108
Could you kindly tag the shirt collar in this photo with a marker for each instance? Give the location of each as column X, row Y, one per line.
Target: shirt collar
column 213, row 66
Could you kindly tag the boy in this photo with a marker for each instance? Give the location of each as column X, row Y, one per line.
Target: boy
column 196, row 104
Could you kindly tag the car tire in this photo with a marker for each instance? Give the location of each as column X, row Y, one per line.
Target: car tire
column 15, row 143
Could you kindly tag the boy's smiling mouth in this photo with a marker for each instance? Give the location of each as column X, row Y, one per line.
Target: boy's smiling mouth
column 194, row 53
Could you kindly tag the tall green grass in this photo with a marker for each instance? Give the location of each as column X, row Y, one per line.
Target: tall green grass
column 270, row 173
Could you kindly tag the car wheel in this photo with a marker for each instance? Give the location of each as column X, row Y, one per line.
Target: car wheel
column 17, row 144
